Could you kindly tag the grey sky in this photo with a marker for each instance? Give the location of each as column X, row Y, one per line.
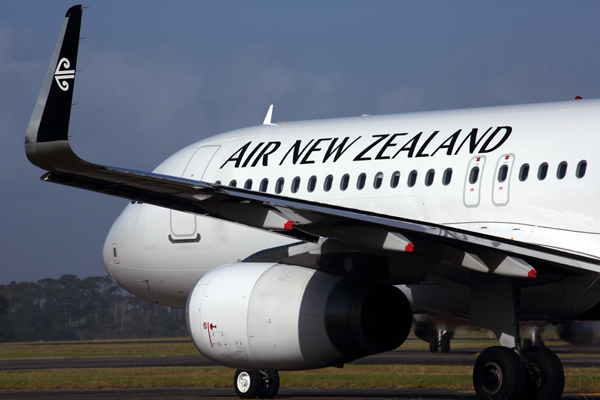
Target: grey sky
column 157, row 76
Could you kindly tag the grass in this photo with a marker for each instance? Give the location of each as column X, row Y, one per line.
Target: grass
column 179, row 347
column 374, row 376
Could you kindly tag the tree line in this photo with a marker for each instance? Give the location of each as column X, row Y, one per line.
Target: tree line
column 70, row 308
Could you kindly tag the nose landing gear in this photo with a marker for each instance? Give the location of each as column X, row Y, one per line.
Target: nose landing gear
column 441, row 341
column 252, row 384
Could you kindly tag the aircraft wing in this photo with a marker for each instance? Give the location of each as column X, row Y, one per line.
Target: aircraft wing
column 47, row 146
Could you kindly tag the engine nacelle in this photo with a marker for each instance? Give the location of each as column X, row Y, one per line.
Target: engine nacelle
column 283, row 317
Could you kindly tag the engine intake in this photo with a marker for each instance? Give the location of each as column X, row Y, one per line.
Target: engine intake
column 284, row 317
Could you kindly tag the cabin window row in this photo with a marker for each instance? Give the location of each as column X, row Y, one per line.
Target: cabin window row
column 361, row 181
column 542, row 173
column 561, row 172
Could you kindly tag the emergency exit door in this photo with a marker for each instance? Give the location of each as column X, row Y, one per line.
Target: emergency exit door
column 500, row 194
column 183, row 225
column 473, row 181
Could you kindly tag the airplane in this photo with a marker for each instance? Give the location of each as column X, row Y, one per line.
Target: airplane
column 301, row 245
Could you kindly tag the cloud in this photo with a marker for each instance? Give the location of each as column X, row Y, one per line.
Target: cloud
column 137, row 105
column 259, row 77
column 402, row 99
column 16, row 50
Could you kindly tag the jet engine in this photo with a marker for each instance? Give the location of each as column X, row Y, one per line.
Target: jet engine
column 283, row 317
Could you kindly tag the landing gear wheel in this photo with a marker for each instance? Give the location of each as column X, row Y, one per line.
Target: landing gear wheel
column 269, row 384
column 445, row 345
column 433, row 345
column 499, row 374
column 549, row 382
column 247, row 383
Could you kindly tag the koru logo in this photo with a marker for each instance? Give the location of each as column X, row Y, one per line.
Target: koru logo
column 61, row 76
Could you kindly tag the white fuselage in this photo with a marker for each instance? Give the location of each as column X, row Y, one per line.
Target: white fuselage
column 157, row 254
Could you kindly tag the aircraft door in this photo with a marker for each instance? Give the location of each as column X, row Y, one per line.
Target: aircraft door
column 473, row 181
column 502, row 179
column 183, row 225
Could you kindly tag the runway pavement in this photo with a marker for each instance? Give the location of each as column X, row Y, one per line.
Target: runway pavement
column 412, row 357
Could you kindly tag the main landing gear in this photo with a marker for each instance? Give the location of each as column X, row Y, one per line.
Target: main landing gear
column 500, row 373
column 508, row 371
column 250, row 384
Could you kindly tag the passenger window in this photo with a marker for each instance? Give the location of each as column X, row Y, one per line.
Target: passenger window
column 344, row 182
column 580, row 172
column 296, row 184
column 328, row 183
column 279, row 185
column 412, row 178
column 395, row 179
column 543, row 171
column 248, row 184
column 429, row 177
column 312, row 183
column 561, row 171
column 360, row 183
column 217, row 182
column 502, row 173
column 378, row 180
column 233, row 183
column 474, row 175
column 524, row 172
column 263, row 185
column 447, row 177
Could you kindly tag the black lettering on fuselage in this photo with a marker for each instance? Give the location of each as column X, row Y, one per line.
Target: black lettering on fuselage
column 448, row 146
column 413, row 145
column 485, row 142
column 387, row 144
column 296, row 152
column 252, row 154
column 360, row 157
column 339, row 150
column 313, row 149
column 237, row 156
column 473, row 142
column 508, row 131
column 422, row 149
column 264, row 154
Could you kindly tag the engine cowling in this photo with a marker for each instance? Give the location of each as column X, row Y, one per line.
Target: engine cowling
column 284, row 317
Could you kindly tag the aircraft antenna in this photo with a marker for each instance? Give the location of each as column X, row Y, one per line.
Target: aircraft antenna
column 267, row 120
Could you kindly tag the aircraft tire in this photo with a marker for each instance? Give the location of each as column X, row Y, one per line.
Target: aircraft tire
column 247, row 384
column 445, row 345
column 550, row 382
column 499, row 374
column 269, row 384
column 433, row 345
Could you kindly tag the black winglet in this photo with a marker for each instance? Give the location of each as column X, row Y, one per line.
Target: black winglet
column 47, row 134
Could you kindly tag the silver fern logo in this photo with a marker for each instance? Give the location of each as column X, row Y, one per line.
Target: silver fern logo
column 61, row 75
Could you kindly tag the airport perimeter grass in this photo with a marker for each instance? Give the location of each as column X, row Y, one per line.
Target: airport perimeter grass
column 177, row 347
column 374, row 376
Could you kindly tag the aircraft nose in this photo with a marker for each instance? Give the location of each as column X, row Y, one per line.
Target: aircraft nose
column 110, row 254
